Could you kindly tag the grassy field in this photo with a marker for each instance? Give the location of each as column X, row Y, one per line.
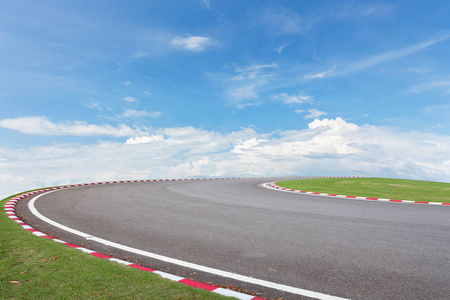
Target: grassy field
column 37, row 268
column 375, row 187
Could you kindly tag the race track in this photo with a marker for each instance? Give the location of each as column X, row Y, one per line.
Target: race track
column 342, row 247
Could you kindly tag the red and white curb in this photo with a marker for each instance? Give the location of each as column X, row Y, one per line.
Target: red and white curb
column 276, row 187
column 10, row 211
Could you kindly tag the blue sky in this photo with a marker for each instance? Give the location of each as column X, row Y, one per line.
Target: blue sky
column 155, row 89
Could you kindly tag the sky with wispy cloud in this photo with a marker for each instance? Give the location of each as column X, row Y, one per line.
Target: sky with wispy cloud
column 113, row 90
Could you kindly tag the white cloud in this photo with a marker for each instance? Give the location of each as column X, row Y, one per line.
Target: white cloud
column 247, row 145
column 193, row 43
column 238, row 94
column 324, row 74
column 144, row 139
column 130, row 99
column 244, row 86
column 292, row 99
column 376, row 10
column 364, row 10
column 312, row 113
column 441, row 85
column 132, row 113
column 438, row 112
column 43, row 126
column 373, row 61
column 279, row 20
column 280, row 48
column 9, row 179
column 94, row 106
column 126, row 83
column 418, row 70
column 206, row 4
column 336, row 124
column 140, row 54
column 250, row 70
column 326, row 147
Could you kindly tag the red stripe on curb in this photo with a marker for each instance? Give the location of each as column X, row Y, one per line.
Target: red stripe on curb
column 372, row 198
column 96, row 254
column 141, row 268
column 199, row 285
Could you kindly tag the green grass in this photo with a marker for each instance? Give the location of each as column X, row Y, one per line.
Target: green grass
column 401, row 189
column 45, row 269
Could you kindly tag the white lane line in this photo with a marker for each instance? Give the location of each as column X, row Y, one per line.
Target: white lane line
column 235, row 276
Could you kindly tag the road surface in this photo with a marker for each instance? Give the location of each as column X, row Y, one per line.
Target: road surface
column 342, row 247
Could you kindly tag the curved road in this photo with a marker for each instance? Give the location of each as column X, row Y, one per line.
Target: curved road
column 342, row 247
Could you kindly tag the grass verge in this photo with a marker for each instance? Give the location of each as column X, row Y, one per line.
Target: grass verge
column 401, row 189
column 36, row 268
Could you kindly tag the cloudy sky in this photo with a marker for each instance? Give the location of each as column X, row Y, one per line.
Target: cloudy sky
column 113, row 90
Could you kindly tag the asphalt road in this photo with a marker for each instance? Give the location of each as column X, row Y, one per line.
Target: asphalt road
column 342, row 247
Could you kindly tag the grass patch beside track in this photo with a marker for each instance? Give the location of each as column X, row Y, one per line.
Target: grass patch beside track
column 401, row 189
column 32, row 267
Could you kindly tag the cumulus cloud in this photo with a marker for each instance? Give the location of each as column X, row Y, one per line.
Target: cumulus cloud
column 193, row 43
column 325, row 147
column 43, row 126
